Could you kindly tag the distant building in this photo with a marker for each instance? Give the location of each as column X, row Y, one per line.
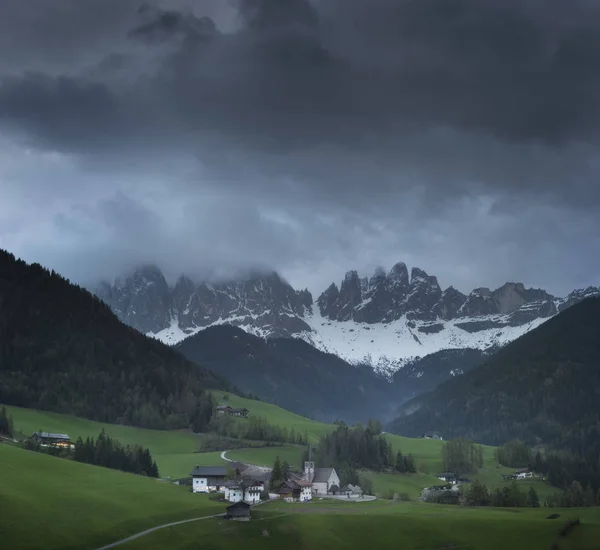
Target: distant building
column 240, row 511
column 208, row 479
column 523, row 473
column 432, row 435
column 322, row 479
column 222, row 409
column 47, row 439
column 238, row 411
column 449, row 477
column 296, row 490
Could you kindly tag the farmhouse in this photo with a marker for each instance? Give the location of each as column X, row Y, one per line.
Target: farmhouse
column 222, row 409
column 432, row 435
column 523, row 473
column 238, row 491
column 238, row 411
column 240, row 511
column 322, row 479
column 448, row 477
column 208, row 479
column 47, row 439
column 296, row 490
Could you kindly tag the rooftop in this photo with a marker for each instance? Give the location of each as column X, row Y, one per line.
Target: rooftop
column 48, row 435
column 206, row 471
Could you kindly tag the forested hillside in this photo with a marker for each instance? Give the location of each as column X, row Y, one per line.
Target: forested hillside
column 293, row 374
column 63, row 350
column 542, row 388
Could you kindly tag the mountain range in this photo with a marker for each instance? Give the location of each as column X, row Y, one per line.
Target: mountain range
column 385, row 321
column 544, row 388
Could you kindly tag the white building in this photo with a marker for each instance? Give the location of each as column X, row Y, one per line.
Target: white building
column 322, row 479
column 208, row 479
column 235, row 491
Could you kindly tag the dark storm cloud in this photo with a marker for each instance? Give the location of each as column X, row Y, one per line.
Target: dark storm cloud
column 388, row 116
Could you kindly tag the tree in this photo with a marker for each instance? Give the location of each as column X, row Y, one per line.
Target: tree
column 532, row 498
column 461, row 456
column 477, row 495
column 6, row 423
column 538, row 463
column 409, row 462
column 277, row 473
column 400, row 464
column 285, row 470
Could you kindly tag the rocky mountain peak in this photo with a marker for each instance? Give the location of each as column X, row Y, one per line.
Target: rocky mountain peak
column 398, row 275
column 378, row 277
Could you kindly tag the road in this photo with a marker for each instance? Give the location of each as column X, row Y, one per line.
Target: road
column 147, row 531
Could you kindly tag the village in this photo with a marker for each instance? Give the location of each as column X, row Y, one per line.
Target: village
column 242, row 486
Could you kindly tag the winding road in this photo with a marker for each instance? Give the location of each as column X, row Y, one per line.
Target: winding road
column 147, row 531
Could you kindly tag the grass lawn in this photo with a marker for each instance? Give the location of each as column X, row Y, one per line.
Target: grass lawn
column 52, row 503
column 266, row 456
column 325, row 524
column 173, row 451
column 277, row 416
column 28, row 421
column 412, row 484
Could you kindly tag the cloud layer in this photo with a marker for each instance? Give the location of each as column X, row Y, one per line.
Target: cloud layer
column 312, row 137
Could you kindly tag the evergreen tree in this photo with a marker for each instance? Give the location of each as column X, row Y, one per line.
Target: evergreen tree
column 400, row 463
column 532, row 498
column 409, row 462
column 285, row 470
column 476, row 495
column 277, row 473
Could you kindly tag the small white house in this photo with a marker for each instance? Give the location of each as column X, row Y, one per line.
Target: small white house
column 252, row 493
column 448, row 477
column 237, row 492
column 208, row 479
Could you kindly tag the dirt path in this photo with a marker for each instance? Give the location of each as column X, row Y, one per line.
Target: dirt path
column 151, row 530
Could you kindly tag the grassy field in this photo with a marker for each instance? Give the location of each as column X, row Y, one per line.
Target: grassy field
column 266, row 456
column 384, row 525
column 411, row 484
column 51, row 503
column 172, row 450
column 278, row 416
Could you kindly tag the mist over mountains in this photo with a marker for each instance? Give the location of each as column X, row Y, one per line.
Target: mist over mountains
column 384, row 321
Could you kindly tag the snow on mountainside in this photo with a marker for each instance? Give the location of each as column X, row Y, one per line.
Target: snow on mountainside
column 388, row 346
column 385, row 321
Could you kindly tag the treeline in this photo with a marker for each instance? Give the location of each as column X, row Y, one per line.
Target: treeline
column 461, row 456
column 559, row 469
column 575, row 496
column 255, row 428
column 6, row 423
column 110, row 453
column 63, row 350
column 357, row 447
column 477, row 494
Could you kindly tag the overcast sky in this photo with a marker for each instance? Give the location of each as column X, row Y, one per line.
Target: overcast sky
column 312, row 137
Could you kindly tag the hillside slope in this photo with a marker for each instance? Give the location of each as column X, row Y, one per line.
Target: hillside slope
column 293, row 374
column 544, row 387
column 63, row 350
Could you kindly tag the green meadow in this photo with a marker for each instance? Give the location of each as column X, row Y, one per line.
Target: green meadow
column 265, row 456
column 381, row 524
column 277, row 416
column 176, row 453
column 52, row 503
